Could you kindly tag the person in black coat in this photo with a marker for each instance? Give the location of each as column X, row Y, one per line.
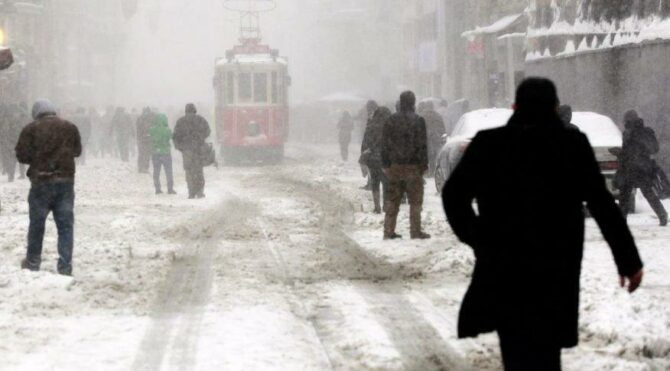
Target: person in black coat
column 530, row 180
column 638, row 168
column 371, row 155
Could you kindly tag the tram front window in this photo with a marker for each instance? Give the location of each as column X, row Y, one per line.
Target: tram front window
column 260, row 87
column 244, row 87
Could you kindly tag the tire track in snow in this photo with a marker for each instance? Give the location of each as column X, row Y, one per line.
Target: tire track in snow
column 419, row 344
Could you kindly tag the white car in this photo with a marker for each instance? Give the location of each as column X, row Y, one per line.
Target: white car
column 602, row 132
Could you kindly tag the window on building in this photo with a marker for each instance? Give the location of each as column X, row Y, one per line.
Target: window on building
column 244, row 87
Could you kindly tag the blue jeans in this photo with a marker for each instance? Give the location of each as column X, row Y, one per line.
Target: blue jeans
column 166, row 162
column 59, row 199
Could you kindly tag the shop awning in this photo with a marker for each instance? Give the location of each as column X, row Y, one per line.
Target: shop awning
column 501, row 25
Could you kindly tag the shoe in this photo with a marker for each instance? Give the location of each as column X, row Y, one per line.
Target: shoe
column 25, row 264
column 65, row 271
column 377, row 210
column 200, row 195
column 172, row 192
column 421, row 236
column 393, row 236
column 159, row 192
column 663, row 221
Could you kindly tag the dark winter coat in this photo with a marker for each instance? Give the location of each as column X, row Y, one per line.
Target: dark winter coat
column 639, row 145
column 530, row 183
column 143, row 125
column 405, row 140
column 435, row 127
column 371, row 149
column 191, row 132
column 49, row 145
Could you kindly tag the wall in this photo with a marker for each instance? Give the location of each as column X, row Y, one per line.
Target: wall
column 614, row 80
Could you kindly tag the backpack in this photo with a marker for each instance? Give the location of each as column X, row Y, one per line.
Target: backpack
column 649, row 140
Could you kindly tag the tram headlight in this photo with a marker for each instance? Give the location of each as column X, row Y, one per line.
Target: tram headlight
column 2, row 37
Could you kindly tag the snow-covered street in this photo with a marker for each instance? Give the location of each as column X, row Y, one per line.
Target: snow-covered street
column 282, row 268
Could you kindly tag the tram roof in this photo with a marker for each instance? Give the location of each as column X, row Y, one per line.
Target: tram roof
column 252, row 59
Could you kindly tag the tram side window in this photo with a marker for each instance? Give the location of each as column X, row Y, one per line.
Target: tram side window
column 260, row 87
column 230, row 88
column 275, row 90
column 244, row 87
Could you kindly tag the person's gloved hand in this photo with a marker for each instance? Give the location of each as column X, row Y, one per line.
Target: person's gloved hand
column 634, row 281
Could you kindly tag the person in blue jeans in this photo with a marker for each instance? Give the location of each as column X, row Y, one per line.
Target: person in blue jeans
column 161, row 135
column 49, row 145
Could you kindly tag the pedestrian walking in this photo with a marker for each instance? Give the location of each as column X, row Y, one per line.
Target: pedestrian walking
column 161, row 149
column 530, row 180
column 49, row 145
column 345, row 127
column 436, row 132
column 122, row 132
column 83, row 122
column 144, row 140
column 189, row 138
column 11, row 124
column 371, row 156
column 637, row 167
column 405, row 160
column 106, row 128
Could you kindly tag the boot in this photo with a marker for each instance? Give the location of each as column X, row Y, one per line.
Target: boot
column 393, row 236
column 420, row 236
column 28, row 265
column 172, row 192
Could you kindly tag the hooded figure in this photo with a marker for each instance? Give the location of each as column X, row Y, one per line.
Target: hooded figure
column 49, row 146
column 344, row 128
column 161, row 135
column 637, row 167
column 530, row 180
column 189, row 137
column 404, row 157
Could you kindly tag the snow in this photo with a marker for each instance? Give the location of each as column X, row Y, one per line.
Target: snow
column 600, row 129
column 473, row 122
column 172, row 283
column 499, row 26
column 340, row 97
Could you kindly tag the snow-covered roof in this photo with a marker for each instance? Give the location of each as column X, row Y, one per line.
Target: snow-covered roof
column 499, row 26
column 252, row 59
column 600, row 129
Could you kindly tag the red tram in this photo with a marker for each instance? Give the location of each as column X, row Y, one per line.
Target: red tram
column 252, row 114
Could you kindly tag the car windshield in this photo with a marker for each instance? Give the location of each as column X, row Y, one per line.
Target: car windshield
column 476, row 121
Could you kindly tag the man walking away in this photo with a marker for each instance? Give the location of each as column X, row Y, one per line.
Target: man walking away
column 637, row 168
column 530, row 180
column 405, row 160
column 50, row 145
column 565, row 114
column 345, row 127
column 83, row 122
column 189, row 138
column 161, row 135
column 436, row 132
column 144, row 140
column 371, row 155
column 122, row 131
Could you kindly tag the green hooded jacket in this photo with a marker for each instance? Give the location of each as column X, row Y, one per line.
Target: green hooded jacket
column 160, row 135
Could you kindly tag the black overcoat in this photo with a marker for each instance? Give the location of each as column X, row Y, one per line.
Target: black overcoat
column 530, row 184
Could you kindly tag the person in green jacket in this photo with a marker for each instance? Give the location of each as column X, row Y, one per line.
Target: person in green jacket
column 161, row 135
